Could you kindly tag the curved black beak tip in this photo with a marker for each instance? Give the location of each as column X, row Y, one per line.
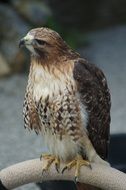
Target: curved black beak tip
column 21, row 43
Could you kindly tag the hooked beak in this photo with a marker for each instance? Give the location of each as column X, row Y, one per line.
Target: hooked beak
column 28, row 40
column 22, row 43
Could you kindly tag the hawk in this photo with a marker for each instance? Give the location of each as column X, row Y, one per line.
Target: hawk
column 67, row 100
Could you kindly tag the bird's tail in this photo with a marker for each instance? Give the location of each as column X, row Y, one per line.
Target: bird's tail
column 82, row 186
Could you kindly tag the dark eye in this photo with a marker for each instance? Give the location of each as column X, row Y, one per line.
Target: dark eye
column 40, row 42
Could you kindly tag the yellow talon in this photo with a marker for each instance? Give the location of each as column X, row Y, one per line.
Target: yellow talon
column 69, row 165
column 50, row 159
column 77, row 162
column 45, row 155
column 57, row 164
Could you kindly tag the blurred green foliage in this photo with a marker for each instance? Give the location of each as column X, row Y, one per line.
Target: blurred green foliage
column 73, row 37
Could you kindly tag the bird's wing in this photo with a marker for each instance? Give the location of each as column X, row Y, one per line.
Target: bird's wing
column 31, row 118
column 94, row 94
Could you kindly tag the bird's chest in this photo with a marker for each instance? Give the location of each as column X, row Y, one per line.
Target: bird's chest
column 59, row 117
column 59, row 112
column 57, row 108
column 54, row 97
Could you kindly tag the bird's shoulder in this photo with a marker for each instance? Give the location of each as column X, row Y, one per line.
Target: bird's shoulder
column 90, row 77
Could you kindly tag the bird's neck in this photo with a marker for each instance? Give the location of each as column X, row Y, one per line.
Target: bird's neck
column 56, row 66
column 49, row 79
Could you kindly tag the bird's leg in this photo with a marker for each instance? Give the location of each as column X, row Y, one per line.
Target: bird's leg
column 80, row 162
column 50, row 159
column 45, row 155
column 77, row 162
column 57, row 163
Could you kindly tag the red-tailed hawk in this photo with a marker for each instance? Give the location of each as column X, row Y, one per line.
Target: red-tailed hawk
column 67, row 100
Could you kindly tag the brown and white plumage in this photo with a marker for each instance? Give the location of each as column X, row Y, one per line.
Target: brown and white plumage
column 67, row 99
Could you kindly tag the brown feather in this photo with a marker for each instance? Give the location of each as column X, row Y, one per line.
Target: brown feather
column 31, row 118
column 94, row 93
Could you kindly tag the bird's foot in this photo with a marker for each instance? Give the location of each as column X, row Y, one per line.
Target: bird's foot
column 77, row 162
column 50, row 159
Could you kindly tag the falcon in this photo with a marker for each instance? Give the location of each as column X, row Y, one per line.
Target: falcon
column 67, row 101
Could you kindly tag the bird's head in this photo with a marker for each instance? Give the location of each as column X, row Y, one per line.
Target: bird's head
column 45, row 43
